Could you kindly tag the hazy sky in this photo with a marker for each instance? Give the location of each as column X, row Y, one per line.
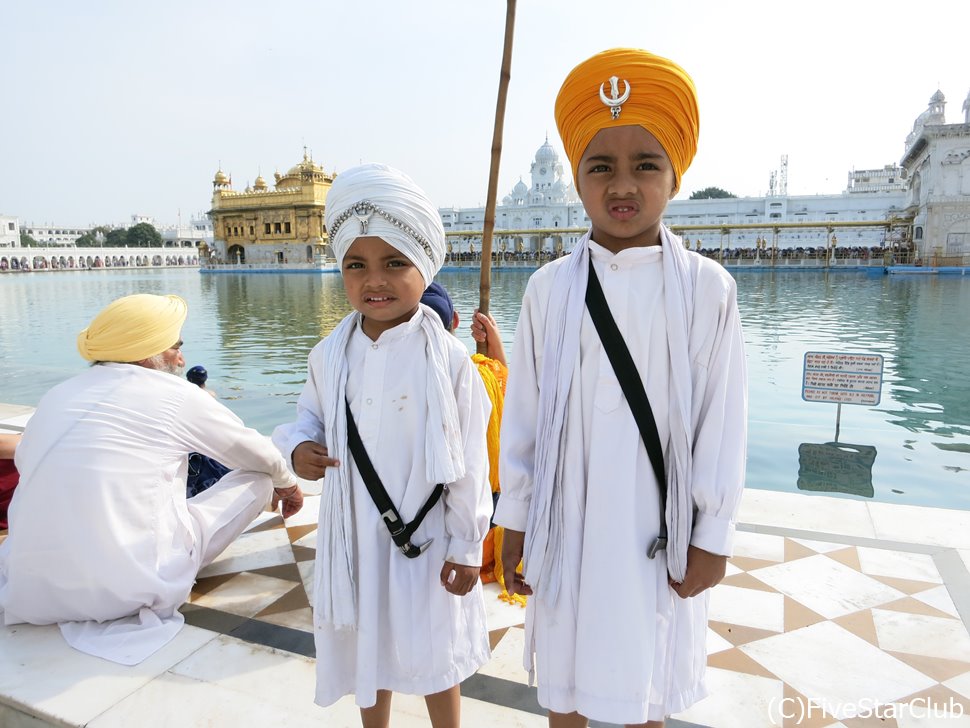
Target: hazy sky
column 114, row 108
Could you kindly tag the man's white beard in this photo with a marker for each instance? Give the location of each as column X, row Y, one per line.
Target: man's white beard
column 158, row 363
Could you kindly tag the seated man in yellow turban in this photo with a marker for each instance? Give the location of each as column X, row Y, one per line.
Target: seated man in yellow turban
column 623, row 458
column 103, row 541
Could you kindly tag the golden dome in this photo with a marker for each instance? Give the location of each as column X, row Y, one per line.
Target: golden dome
column 220, row 178
column 260, row 183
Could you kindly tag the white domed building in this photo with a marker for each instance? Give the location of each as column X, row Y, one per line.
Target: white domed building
column 532, row 214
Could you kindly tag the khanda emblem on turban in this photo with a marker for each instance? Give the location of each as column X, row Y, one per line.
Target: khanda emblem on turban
column 614, row 100
column 363, row 211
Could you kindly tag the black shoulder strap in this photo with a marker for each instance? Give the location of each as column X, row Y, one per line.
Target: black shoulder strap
column 400, row 531
column 632, row 386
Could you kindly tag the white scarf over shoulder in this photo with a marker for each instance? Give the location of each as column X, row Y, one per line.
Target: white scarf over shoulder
column 566, row 306
column 376, row 200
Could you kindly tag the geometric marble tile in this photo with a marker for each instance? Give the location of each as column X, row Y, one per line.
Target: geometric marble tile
column 298, row 619
column 826, row 586
column 306, row 571
column 848, row 556
column 938, row 707
column 746, row 563
column 939, row 598
column 736, row 661
column 861, row 625
column 745, row 580
column 880, row 562
column 914, row 606
column 834, row 667
column 938, row 668
column 921, row 635
column 797, row 615
column 716, row 643
column 736, row 700
column 759, row 546
column 245, row 594
column 960, row 683
column 298, row 532
column 930, row 719
column 748, row 608
column 506, row 660
column 252, row 551
column 795, row 550
column 800, row 712
column 906, row 586
column 294, row 599
column 308, row 540
column 737, row 635
column 820, row 547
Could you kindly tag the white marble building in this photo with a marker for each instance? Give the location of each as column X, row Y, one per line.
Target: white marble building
column 937, row 162
column 930, row 187
column 9, row 232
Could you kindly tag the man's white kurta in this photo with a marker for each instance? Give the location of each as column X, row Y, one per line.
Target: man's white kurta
column 412, row 636
column 102, row 539
column 619, row 645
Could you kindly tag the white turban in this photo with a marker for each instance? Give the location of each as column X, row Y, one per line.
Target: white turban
column 380, row 201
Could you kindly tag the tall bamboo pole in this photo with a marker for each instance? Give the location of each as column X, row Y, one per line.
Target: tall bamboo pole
column 485, row 285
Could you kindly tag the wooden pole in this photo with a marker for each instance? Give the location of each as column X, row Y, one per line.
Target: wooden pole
column 485, row 284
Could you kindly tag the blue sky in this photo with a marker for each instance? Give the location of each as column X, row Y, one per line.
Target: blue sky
column 120, row 108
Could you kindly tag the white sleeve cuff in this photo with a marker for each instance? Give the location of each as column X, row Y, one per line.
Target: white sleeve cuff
column 511, row 513
column 466, row 553
column 713, row 534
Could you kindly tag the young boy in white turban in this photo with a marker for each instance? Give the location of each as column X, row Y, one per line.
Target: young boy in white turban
column 623, row 530
column 403, row 615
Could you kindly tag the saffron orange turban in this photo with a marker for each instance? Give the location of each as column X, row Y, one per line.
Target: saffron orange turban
column 133, row 328
column 624, row 87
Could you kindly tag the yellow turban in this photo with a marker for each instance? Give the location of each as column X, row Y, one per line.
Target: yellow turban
column 660, row 97
column 133, row 328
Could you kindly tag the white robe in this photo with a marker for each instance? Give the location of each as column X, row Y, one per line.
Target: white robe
column 102, row 539
column 619, row 645
column 412, row 636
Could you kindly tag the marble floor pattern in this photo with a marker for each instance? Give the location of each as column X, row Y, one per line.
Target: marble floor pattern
column 834, row 613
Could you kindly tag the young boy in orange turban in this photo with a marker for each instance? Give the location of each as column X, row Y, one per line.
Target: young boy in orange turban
column 621, row 491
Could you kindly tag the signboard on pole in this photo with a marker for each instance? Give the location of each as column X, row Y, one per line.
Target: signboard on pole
column 842, row 378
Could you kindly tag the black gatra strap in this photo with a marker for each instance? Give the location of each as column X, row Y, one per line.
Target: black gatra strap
column 632, row 386
column 400, row 531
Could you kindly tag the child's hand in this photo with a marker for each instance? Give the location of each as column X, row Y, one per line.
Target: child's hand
column 310, row 460
column 459, row 579
column 513, row 543
column 485, row 329
column 704, row 570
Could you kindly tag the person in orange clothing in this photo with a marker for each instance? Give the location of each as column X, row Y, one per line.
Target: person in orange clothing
column 493, row 369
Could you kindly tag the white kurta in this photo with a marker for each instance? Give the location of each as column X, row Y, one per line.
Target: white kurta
column 619, row 645
column 412, row 636
column 102, row 539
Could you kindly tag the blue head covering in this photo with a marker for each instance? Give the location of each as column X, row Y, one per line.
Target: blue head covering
column 437, row 297
column 197, row 375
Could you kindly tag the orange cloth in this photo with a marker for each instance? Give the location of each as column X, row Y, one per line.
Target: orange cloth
column 494, row 375
column 662, row 99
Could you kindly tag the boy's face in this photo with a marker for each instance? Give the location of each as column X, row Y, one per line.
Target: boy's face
column 625, row 181
column 381, row 283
